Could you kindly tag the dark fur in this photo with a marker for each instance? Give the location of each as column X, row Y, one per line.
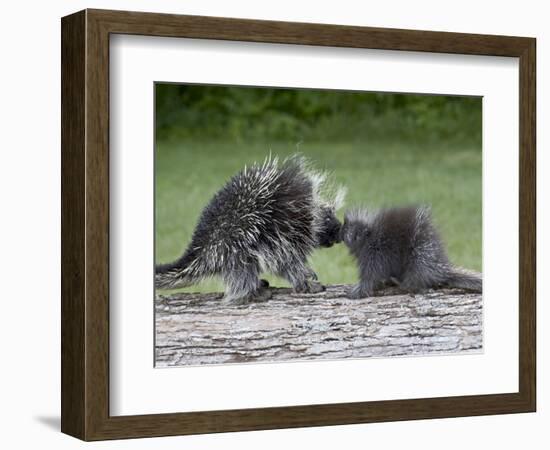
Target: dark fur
column 268, row 217
column 401, row 245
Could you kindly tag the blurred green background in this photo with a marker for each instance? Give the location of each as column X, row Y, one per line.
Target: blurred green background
column 388, row 149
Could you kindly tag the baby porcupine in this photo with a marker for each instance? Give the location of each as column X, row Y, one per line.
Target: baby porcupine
column 401, row 245
column 267, row 218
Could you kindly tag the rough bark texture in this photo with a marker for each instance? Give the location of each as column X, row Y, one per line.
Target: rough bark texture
column 196, row 329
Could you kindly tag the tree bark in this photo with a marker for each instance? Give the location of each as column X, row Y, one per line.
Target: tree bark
column 196, row 329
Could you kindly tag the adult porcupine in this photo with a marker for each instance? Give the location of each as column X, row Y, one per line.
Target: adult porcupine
column 401, row 245
column 267, row 218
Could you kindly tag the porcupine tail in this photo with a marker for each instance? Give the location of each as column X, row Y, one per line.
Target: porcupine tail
column 465, row 279
column 180, row 273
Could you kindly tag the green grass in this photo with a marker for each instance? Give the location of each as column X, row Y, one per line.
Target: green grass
column 382, row 173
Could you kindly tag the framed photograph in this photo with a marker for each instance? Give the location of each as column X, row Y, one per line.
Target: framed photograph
column 273, row 225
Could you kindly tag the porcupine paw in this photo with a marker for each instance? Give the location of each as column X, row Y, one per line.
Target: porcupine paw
column 309, row 287
column 311, row 275
column 390, row 282
column 315, row 287
column 263, row 294
column 356, row 293
column 236, row 300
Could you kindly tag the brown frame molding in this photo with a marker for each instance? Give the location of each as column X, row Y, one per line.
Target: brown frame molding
column 85, row 224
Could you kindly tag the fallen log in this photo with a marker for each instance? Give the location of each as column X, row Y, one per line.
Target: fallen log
column 197, row 329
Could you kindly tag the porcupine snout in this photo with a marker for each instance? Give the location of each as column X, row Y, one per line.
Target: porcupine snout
column 329, row 233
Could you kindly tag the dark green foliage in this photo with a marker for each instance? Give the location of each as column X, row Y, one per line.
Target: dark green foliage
column 244, row 113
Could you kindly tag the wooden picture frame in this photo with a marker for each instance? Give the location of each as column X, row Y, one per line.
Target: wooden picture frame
column 85, row 224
